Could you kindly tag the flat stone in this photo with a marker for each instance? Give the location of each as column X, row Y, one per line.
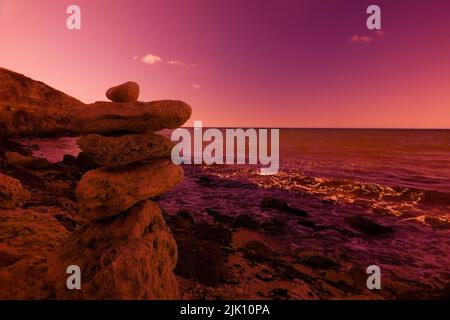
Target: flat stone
column 131, row 117
column 104, row 192
column 12, row 193
column 128, row 257
column 127, row 92
column 122, row 150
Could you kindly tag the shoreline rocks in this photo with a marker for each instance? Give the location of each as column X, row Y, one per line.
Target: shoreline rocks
column 125, row 251
column 12, row 193
column 31, row 108
column 27, row 162
column 109, row 151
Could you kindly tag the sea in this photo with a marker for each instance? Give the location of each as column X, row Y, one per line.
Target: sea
column 398, row 172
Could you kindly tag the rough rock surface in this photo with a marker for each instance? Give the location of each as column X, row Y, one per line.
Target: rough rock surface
column 27, row 162
column 12, row 193
column 119, row 151
column 131, row 256
column 103, row 193
column 127, row 92
column 26, row 237
column 137, row 117
column 31, row 108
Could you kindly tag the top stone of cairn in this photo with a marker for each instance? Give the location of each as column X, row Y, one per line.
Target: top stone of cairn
column 127, row 92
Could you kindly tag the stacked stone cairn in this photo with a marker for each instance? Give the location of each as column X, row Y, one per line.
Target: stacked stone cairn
column 126, row 250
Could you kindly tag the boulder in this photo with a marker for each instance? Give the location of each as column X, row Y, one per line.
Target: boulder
column 128, row 257
column 122, row 150
column 12, row 193
column 282, row 205
column 27, row 162
column 127, row 92
column 131, row 117
column 368, row 226
column 31, row 108
column 104, row 192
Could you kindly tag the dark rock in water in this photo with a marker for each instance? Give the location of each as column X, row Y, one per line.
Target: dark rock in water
column 205, row 181
column 181, row 221
column 317, row 261
column 258, row 252
column 85, row 162
column 202, row 249
column 213, row 233
column 245, row 221
column 273, row 226
column 12, row 146
column 221, row 218
column 367, row 226
column 279, row 204
column 69, row 160
column 437, row 223
column 307, row 223
column 186, row 215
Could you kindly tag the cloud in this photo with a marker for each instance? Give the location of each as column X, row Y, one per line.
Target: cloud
column 175, row 62
column 360, row 39
column 151, row 59
column 196, row 86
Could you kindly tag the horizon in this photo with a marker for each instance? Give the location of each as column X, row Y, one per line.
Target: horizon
column 298, row 64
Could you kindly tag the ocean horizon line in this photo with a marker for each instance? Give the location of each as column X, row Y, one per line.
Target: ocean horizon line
column 318, row 128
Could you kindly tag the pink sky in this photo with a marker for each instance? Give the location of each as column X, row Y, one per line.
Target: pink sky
column 274, row 63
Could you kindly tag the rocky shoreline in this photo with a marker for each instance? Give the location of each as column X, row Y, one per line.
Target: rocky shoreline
column 138, row 229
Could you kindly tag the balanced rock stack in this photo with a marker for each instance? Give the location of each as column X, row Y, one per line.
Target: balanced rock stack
column 127, row 250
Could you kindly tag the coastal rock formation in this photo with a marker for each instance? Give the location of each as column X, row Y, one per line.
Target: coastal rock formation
column 108, row 226
column 12, row 193
column 131, row 256
column 109, row 151
column 137, row 117
column 127, row 92
column 126, row 251
column 31, row 108
column 103, row 192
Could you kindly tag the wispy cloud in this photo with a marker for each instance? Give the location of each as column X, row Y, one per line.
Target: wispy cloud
column 196, row 86
column 360, row 39
column 175, row 63
column 151, row 59
column 356, row 38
